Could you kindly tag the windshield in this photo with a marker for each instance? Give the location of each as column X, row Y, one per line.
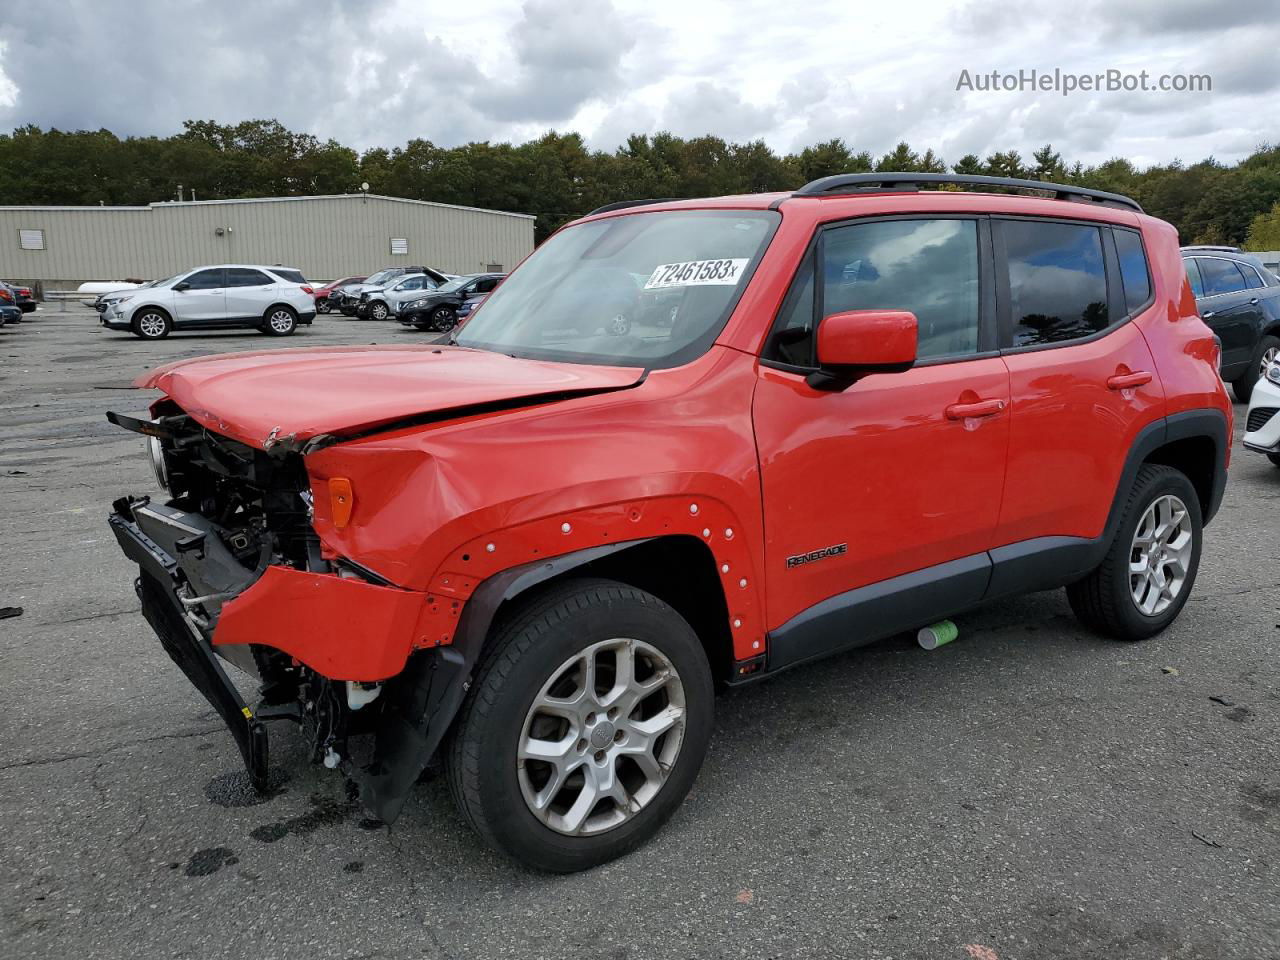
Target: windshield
column 645, row 289
column 382, row 276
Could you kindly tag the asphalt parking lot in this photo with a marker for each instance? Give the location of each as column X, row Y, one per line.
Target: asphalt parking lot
column 1030, row 791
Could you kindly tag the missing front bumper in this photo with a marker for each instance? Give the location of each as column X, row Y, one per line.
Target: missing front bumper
column 184, row 641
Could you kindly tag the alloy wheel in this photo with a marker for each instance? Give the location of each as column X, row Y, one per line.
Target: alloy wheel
column 1269, row 357
column 444, row 319
column 601, row 737
column 378, row 311
column 281, row 321
column 151, row 325
column 1160, row 555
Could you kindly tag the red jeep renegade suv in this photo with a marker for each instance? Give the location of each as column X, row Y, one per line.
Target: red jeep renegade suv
column 686, row 442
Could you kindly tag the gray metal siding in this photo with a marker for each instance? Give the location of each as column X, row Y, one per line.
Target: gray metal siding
column 325, row 237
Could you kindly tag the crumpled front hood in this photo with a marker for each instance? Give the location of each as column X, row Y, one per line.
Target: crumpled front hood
column 292, row 396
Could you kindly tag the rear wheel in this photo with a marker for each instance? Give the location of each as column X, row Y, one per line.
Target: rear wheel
column 280, row 321
column 1266, row 353
column 585, row 727
column 152, row 325
column 1147, row 574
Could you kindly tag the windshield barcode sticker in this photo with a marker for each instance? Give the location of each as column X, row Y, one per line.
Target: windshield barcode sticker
column 696, row 273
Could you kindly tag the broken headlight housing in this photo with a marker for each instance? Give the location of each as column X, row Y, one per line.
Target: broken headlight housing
column 158, row 464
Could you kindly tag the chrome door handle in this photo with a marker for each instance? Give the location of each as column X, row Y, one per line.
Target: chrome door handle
column 1206, row 316
column 1253, row 302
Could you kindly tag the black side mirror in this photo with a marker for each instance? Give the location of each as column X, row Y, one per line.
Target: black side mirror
column 183, row 285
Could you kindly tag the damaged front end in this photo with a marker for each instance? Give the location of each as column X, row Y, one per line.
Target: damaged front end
column 231, row 570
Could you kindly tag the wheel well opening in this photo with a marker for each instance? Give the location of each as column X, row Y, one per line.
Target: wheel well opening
column 680, row 571
column 1195, row 457
column 152, row 308
column 276, row 306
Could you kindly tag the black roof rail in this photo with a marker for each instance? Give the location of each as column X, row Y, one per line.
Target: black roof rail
column 851, row 183
column 623, row 204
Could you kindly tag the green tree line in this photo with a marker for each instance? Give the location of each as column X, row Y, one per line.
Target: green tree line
column 557, row 177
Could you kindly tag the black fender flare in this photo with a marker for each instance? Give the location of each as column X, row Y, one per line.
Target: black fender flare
column 420, row 702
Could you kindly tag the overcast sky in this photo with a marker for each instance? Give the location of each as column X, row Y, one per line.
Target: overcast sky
column 386, row 71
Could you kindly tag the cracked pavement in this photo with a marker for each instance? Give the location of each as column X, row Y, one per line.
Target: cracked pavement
column 1030, row 790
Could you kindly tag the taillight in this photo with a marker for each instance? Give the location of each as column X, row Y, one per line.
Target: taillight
column 5, row 295
column 307, row 290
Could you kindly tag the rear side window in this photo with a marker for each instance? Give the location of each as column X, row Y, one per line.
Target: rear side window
column 1133, row 269
column 1219, row 276
column 1057, row 281
column 1251, row 278
column 244, row 277
column 290, row 276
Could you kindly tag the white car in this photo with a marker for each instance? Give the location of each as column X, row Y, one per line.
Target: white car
column 271, row 299
column 1262, row 423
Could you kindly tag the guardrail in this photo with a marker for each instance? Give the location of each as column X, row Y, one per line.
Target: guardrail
column 63, row 297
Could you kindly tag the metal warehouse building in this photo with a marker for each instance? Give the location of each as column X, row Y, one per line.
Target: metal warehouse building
column 326, row 237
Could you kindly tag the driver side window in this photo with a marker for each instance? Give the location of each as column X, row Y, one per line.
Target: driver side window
column 927, row 266
column 206, row 280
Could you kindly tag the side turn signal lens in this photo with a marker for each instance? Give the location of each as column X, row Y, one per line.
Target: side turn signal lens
column 341, row 501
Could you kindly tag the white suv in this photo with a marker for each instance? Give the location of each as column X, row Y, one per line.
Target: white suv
column 271, row 299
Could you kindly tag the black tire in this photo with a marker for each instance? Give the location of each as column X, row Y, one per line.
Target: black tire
column 1103, row 600
column 531, row 646
column 379, row 310
column 279, row 321
column 323, row 306
column 1274, row 458
column 151, row 324
column 443, row 319
column 1243, row 385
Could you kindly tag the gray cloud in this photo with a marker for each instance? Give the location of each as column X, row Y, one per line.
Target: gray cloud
column 567, row 52
column 387, row 71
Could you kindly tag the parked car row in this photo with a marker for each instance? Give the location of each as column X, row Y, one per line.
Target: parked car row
column 15, row 302
column 1239, row 298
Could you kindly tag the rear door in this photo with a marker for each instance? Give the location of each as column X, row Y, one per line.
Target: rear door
column 249, row 293
column 890, row 475
column 1231, row 310
column 1082, row 379
column 205, row 298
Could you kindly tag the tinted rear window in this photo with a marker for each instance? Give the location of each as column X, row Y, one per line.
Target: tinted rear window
column 291, row 276
column 1133, row 269
column 1057, row 281
column 1219, row 276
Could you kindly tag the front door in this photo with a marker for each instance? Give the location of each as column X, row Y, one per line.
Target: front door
column 899, row 473
column 205, row 298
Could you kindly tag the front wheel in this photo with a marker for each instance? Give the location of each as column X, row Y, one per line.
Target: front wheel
column 1147, row 574
column 1265, row 354
column 585, row 728
column 443, row 319
column 378, row 310
column 152, row 325
column 280, row 322
column 1274, row 458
